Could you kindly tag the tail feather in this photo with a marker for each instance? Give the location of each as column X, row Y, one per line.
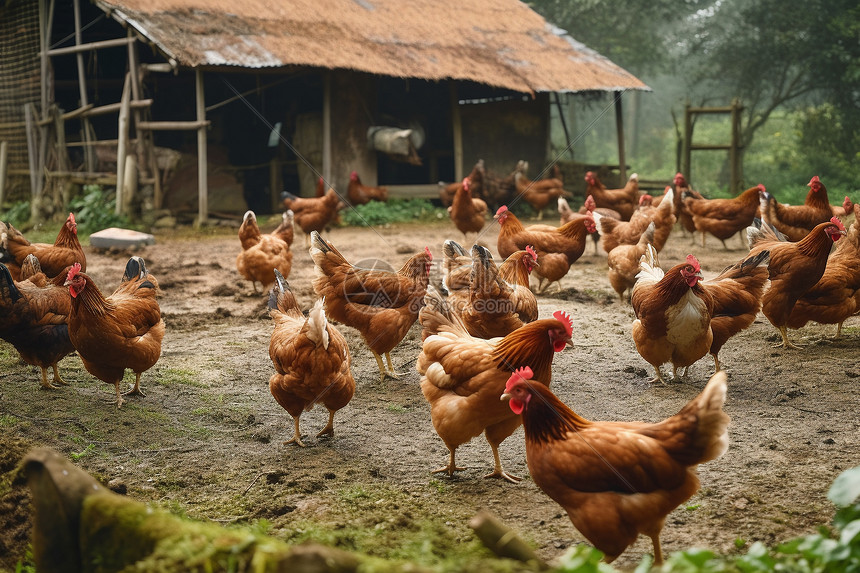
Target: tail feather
column 318, row 324
column 712, row 431
column 452, row 249
column 8, row 291
column 135, row 269
column 281, row 297
column 649, row 265
column 436, row 316
column 761, row 231
column 30, row 267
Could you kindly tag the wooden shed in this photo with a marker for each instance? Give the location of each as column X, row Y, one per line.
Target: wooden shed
column 216, row 106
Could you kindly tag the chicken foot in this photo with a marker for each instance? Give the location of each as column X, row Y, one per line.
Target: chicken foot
column 659, row 378
column 329, row 428
column 119, row 400
column 498, row 472
column 135, row 391
column 382, row 371
column 50, row 385
column 297, row 436
column 450, row 468
column 786, row 343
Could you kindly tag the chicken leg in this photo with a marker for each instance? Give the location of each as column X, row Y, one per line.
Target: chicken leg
column 59, row 380
column 119, row 400
column 329, row 428
column 450, row 468
column 297, row 436
column 47, row 385
column 498, row 472
column 659, row 377
column 382, row 371
column 786, row 343
column 136, row 391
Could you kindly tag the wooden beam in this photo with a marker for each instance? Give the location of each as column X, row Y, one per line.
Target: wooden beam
column 89, row 156
column 619, row 127
column 114, row 107
column 174, row 125
column 734, row 152
column 457, row 127
column 122, row 144
column 688, row 137
column 3, row 164
column 29, row 118
column 88, row 47
column 202, row 162
column 326, row 128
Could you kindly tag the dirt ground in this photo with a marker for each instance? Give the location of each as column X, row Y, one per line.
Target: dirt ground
column 206, row 441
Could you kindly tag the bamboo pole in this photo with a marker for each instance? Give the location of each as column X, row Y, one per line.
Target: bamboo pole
column 619, row 127
column 122, row 143
column 86, row 47
column 31, row 156
column 89, row 154
column 202, row 162
column 688, row 142
column 326, row 127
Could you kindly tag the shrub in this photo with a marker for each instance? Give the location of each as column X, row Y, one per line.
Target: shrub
column 392, row 211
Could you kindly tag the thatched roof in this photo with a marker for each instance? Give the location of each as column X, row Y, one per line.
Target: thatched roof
column 501, row 43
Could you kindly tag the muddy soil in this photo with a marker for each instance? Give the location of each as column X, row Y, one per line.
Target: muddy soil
column 206, row 441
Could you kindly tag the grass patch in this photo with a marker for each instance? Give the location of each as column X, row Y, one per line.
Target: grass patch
column 393, row 211
column 175, row 376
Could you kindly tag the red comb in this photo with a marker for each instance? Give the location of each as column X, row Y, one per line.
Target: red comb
column 76, row 268
column 565, row 319
column 72, row 218
column 667, row 189
column 691, row 260
column 501, row 210
column 814, row 179
column 466, row 183
column 523, row 373
column 429, row 254
column 761, row 188
column 531, row 252
column 838, row 223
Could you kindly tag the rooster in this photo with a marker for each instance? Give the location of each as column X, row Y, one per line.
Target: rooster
column 588, row 207
column 557, row 248
column 737, row 293
column 359, row 194
column 261, row 253
column 33, row 319
column 463, row 376
column 793, row 268
column 65, row 251
column 617, row 480
column 123, row 330
column 311, row 358
column 467, row 212
column 314, row 213
column 381, row 305
column 624, row 200
column 614, row 232
column 836, row 295
column 795, row 222
column 673, row 314
column 476, row 185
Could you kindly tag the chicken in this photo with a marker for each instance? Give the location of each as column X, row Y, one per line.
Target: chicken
column 540, row 192
column 843, row 210
column 66, row 249
column 284, row 230
column 724, row 217
column 737, row 293
column 463, row 376
column 467, row 212
column 359, row 194
column 673, row 314
column 311, row 359
column 456, row 267
column 836, row 295
column 614, row 232
column 588, row 207
column 476, row 185
column 496, row 307
column 557, row 248
column 624, row 200
column 33, row 319
column 623, row 262
column 682, row 190
column 793, row 269
column 617, row 480
column 795, row 222
column 261, row 254
column 123, row 330
column 381, row 305
column 314, row 213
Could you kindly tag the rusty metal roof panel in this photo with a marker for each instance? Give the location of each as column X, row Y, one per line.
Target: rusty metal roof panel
column 501, row 43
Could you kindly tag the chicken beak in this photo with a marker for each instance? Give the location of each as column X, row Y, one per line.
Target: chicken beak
column 505, row 396
column 67, row 283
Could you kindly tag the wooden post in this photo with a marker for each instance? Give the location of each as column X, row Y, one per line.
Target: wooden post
column 30, row 122
column 89, row 150
column 62, row 153
column 619, row 127
column 326, row 127
column 734, row 151
column 129, row 184
column 563, row 121
column 3, row 162
column 688, row 142
column 202, row 161
column 457, row 124
column 122, row 143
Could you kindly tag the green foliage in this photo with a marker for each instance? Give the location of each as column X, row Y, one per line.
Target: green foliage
column 392, row 211
column 94, row 210
column 822, row 552
column 18, row 214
